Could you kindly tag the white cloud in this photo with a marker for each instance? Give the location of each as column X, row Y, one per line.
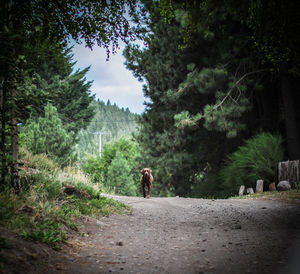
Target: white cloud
column 111, row 78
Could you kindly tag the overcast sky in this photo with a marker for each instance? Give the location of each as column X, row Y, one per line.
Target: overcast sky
column 111, row 78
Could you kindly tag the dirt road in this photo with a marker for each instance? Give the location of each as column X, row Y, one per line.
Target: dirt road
column 178, row 235
column 174, row 235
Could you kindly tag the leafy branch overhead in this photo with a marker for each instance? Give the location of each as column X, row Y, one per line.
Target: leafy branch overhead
column 231, row 100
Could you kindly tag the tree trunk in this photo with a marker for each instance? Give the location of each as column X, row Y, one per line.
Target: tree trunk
column 15, row 179
column 3, row 139
column 13, row 92
column 292, row 136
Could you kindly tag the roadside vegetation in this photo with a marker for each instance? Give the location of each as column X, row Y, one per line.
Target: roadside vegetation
column 52, row 200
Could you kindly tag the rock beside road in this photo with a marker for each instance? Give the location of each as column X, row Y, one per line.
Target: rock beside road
column 250, row 190
column 284, row 186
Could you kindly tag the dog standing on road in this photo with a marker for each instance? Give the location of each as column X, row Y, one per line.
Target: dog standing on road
column 146, row 181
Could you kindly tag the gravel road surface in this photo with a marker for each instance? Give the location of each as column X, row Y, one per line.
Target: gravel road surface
column 182, row 235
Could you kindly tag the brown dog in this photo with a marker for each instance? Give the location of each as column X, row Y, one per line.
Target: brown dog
column 146, row 181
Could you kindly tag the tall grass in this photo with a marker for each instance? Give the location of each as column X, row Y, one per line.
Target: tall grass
column 257, row 159
column 43, row 211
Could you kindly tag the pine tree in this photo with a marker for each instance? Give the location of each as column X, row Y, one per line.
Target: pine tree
column 174, row 154
column 47, row 135
column 52, row 80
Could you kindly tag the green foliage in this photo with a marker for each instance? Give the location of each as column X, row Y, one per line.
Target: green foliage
column 281, row 46
column 119, row 177
column 48, row 135
column 165, row 7
column 94, row 167
column 117, row 169
column 48, row 232
column 110, row 119
column 51, row 79
column 257, row 159
column 96, row 207
column 87, row 188
column 38, row 161
column 206, row 80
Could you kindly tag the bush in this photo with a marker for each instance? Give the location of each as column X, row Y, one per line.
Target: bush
column 98, row 168
column 257, row 159
column 119, row 177
column 94, row 167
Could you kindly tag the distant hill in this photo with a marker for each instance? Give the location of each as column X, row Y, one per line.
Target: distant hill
column 110, row 119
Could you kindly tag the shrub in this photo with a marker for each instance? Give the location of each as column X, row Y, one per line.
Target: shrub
column 98, row 168
column 119, row 177
column 94, row 167
column 257, row 159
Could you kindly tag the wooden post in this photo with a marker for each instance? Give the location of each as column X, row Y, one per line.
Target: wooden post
column 289, row 171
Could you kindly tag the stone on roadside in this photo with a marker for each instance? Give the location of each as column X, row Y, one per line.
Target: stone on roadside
column 242, row 190
column 259, row 186
column 272, row 187
column 250, row 190
column 284, row 186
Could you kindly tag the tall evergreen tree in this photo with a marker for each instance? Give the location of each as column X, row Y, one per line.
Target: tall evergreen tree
column 174, row 154
column 52, row 79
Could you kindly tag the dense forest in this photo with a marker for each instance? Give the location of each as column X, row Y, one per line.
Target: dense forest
column 221, row 78
column 113, row 122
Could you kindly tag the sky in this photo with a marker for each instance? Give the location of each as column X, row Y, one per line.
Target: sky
column 111, row 79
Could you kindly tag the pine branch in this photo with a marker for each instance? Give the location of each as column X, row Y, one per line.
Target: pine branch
column 236, row 84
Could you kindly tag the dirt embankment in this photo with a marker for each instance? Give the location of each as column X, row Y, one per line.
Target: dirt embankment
column 178, row 235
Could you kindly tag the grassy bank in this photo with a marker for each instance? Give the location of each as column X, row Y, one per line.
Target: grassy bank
column 51, row 201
